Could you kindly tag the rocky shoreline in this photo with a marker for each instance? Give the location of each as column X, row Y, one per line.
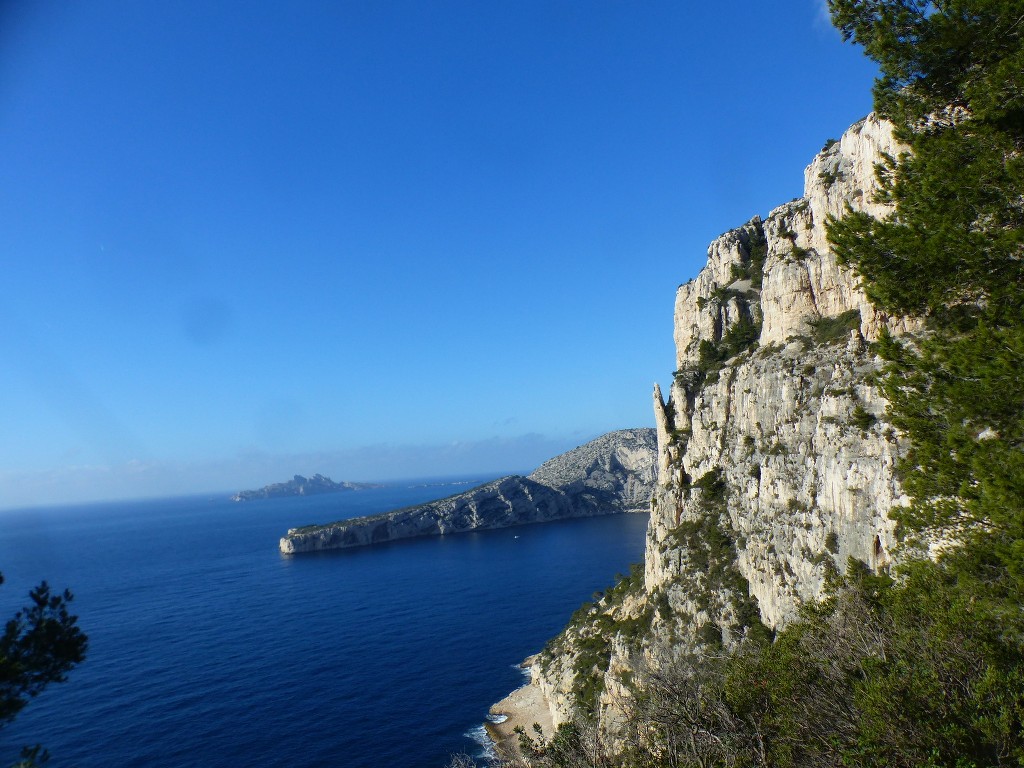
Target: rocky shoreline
column 524, row 707
column 612, row 474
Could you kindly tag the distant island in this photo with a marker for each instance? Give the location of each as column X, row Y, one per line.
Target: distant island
column 301, row 486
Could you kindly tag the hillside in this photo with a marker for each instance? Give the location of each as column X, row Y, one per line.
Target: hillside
column 611, row 474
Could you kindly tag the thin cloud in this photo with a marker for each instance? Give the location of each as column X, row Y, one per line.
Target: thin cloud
column 149, row 478
column 822, row 16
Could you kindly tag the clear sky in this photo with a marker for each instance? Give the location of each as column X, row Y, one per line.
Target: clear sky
column 243, row 240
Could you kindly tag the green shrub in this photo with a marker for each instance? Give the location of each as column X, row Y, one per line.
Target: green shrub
column 832, row 542
column 830, row 330
column 799, row 253
column 758, row 251
column 740, row 337
column 862, row 419
column 828, row 178
column 710, row 634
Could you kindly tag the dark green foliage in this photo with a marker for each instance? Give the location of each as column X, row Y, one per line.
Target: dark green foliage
column 756, row 249
column 832, row 542
column 662, row 605
column 713, row 488
column 592, row 628
column 828, row 178
column 799, row 253
column 931, row 55
column 39, row 646
column 958, row 232
column 883, row 674
column 710, row 635
column 959, row 399
column 722, row 295
column 758, row 253
column 954, row 252
column 830, row 330
column 739, row 337
column 927, row 671
column 953, row 82
column 575, row 744
column 862, row 419
column 945, row 685
column 708, row 543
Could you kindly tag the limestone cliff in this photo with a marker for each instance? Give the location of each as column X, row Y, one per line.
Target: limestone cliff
column 613, row 473
column 775, row 462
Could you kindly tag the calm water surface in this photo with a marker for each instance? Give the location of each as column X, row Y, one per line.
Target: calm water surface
column 209, row 648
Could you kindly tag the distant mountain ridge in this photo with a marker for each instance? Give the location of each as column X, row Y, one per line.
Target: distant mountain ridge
column 301, row 486
column 612, row 474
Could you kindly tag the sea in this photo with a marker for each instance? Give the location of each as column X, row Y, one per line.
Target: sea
column 207, row 647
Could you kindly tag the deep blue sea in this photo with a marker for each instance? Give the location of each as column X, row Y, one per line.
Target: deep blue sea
column 209, row 648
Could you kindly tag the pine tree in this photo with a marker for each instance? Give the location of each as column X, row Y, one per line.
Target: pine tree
column 39, row 646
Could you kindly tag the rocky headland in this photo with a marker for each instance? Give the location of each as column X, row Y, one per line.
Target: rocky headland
column 300, row 486
column 775, row 459
column 612, row 474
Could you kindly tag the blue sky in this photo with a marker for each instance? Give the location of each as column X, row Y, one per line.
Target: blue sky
column 371, row 239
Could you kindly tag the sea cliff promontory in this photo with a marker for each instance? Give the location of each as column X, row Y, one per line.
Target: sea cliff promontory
column 611, row 474
column 775, row 456
column 833, row 571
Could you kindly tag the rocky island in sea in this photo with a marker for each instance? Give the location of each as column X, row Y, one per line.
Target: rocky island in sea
column 301, row 486
column 612, row 474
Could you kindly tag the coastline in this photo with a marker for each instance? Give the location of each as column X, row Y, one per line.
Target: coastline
column 522, row 707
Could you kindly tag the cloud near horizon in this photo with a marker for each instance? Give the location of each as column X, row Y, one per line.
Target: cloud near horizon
column 822, row 17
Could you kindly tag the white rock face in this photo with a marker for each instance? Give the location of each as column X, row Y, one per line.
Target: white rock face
column 699, row 314
column 773, row 434
column 801, row 442
column 801, row 279
column 794, row 426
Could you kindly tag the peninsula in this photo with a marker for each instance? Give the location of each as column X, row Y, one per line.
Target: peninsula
column 612, row 474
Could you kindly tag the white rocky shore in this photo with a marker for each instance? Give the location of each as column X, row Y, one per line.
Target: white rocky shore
column 524, row 708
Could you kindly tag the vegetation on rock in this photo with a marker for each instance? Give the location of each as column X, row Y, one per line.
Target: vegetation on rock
column 925, row 666
column 591, row 631
column 830, row 330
